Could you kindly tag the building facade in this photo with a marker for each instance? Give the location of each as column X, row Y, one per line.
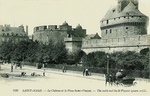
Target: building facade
column 123, row 28
column 14, row 34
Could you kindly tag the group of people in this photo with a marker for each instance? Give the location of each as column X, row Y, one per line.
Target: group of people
column 86, row 72
column 64, row 69
column 114, row 78
column 16, row 65
column 24, row 73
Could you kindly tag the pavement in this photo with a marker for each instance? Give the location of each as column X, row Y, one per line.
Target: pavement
column 57, row 83
column 30, row 69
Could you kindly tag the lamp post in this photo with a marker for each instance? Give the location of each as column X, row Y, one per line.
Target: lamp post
column 107, row 64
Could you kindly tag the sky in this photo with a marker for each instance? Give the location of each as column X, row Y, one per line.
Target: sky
column 87, row 13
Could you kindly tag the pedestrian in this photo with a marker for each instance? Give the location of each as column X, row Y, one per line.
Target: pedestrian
column 83, row 71
column 86, row 72
column 44, row 72
column 43, row 66
column 11, row 67
column 63, row 69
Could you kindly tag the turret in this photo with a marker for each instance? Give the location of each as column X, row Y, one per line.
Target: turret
column 123, row 3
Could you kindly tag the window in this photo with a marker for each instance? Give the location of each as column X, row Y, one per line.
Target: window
column 106, row 31
column 3, row 34
column 114, row 18
column 16, row 34
column 126, row 27
column 124, row 16
column 107, row 21
column 110, row 30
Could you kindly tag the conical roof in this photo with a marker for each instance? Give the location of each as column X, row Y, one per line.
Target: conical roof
column 79, row 26
column 65, row 23
column 131, row 10
column 111, row 13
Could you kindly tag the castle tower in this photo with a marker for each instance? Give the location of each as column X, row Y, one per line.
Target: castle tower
column 124, row 20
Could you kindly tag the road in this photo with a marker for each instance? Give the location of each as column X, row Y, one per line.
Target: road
column 56, row 83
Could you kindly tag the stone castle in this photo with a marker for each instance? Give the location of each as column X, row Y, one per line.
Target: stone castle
column 14, row 34
column 123, row 28
column 73, row 36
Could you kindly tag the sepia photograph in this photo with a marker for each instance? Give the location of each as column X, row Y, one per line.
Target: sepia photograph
column 74, row 48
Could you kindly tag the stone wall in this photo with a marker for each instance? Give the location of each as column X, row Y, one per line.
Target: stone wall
column 73, row 44
column 45, row 36
column 132, row 43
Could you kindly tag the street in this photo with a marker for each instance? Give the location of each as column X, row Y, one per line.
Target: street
column 57, row 83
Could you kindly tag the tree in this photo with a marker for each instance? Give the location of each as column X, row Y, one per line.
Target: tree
column 6, row 50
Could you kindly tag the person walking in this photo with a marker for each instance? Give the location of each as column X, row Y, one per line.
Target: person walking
column 83, row 71
column 63, row 69
column 11, row 67
column 44, row 72
column 86, row 72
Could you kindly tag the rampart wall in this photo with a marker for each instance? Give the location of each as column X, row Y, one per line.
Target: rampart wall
column 45, row 36
column 132, row 43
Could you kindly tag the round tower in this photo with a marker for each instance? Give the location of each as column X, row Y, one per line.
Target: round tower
column 124, row 20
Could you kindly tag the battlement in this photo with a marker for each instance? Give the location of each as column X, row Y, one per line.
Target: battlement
column 115, row 42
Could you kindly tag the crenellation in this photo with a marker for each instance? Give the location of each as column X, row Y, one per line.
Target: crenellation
column 125, row 41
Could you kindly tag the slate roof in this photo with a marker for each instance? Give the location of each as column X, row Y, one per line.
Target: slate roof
column 129, row 9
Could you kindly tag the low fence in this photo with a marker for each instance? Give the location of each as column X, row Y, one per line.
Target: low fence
column 135, row 73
